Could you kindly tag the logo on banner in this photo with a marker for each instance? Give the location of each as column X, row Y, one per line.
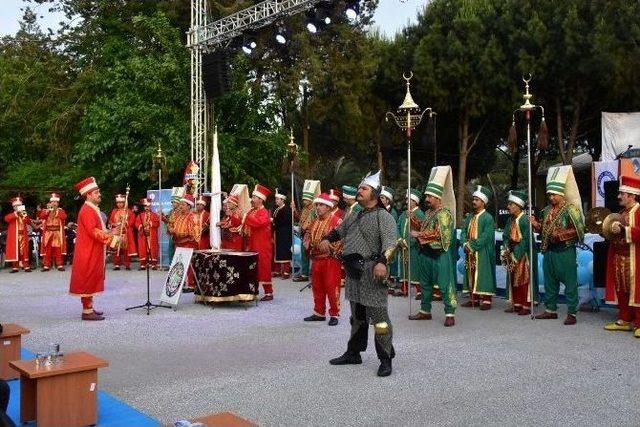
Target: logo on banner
column 603, row 177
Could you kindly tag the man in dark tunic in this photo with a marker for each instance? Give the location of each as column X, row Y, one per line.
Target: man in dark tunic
column 368, row 238
column 282, row 237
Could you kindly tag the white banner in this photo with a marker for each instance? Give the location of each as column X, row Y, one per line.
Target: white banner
column 215, row 239
column 619, row 131
column 172, row 288
column 603, row 172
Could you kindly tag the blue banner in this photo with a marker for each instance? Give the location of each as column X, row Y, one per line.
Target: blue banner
column 161, row 204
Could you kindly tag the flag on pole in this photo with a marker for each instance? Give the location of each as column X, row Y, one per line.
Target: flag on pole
column 216, row 199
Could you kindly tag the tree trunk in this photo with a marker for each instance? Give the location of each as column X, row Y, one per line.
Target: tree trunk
column 559, row 136
column 515, row 171
column 573, row 135
column 463, row 134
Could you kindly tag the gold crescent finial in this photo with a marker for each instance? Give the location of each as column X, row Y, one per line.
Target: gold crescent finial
column 525, row 79
column 407, row 78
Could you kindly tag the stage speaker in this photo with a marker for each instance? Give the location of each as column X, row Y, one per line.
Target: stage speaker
column 216, row 73
column 611, row 195
column 600, row 263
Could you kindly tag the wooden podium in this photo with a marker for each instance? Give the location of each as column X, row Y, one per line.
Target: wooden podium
column 10, row 346
column 64, row 394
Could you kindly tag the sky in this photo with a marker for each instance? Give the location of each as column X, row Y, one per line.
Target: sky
column 391, row 15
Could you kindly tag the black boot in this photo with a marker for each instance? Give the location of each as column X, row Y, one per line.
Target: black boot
column 385, row 368
column 347, row 359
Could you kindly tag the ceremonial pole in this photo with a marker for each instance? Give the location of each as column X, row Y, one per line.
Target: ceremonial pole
column 292, row 152
column 528, row 109
column 160, row 162
column 408, row 116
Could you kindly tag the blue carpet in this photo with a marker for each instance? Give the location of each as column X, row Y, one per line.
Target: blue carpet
column 111, row 411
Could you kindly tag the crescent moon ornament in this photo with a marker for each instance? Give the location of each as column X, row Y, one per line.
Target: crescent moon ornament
column 407, row 78
column 525, row 79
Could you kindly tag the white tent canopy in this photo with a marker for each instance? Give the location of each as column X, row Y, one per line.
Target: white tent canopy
column 619, row 131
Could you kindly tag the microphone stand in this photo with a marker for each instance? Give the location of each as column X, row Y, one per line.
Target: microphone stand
column 148, row 305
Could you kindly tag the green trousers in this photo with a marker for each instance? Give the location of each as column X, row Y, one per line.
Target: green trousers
column 437, row 269
column 560, row 266
column 304, row 264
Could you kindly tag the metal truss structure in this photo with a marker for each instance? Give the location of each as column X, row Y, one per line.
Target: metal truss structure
column 203, row 37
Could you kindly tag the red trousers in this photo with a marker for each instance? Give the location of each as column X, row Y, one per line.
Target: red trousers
column 282, row 268
column 326, row 274
column 87, row 305
column 520, row 296
column 52, row 253
column 625, row 312
column 123, row 258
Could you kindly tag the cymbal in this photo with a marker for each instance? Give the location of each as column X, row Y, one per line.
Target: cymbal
column 607, row 223
column 594, row 219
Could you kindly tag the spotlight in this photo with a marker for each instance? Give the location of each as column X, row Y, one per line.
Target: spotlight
column 249, row 44
column 311, row 27
column 246, row 49
column 351, row 10
column 281, row 39
column 283, row 35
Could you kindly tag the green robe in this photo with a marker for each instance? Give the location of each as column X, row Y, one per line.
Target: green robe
column 394, row 271
column 559, row 264
column 483, row 251
column 403, row 232
column 436, row 264
column 521, row 250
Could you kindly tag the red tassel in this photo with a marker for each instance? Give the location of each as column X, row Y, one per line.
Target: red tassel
column 543, row 136
column 512, row 139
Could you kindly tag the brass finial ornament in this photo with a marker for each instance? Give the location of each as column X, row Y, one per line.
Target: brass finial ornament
column 407, row 117
column 292, row 147
column 528, row 109
column 527, row 96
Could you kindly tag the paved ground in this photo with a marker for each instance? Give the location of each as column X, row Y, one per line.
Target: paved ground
column 267, row 365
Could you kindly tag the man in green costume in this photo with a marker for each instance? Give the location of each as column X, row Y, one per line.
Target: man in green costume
column 310, row 190
column 437, row 240
column 478, row 240
column 561, row 227
column 349, row 197
column 515, row 256
column 386, row 197
column 417, row 216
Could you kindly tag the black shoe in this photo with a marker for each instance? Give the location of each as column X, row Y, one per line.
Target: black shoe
column 333, row 321
column 385, row 368
column 347, row 359
column 315, row 318
column 188, row 290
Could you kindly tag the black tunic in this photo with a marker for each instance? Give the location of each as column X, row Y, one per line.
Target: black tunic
column 282, row 233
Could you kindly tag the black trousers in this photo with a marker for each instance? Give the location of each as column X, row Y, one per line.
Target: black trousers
column 361, row 316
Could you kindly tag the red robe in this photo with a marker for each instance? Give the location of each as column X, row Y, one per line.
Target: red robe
column 17, row 247
column 87, row 274
column 52, row 230
column 257, row 225
column 147, row 222
column 203, row 219
column 114, row 218
column 232, row 239
column 631, row 236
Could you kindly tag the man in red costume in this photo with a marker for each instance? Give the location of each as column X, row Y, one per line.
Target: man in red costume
column 17, row 249
column 335, row 196
column 623, row 260
column 54, row 242
column 257, row 227
column 202, row 216
column 326, row 268
column 87, row 274
column 147, row 224
column 185, row 231
column 230, row 225
column 123, row 219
